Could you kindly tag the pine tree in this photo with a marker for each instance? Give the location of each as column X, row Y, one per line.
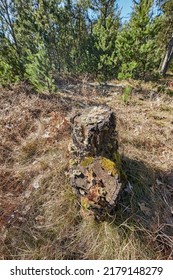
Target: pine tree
column 47, row 23
column 40, row 39
column 39, row 71
column 137, row 47
column 105, row 32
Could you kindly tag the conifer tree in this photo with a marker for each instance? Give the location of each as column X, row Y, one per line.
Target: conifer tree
column 105, row 32
column 137, row 48
column 39, row 71
column 40, row 39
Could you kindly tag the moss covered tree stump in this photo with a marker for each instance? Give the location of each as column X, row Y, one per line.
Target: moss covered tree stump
column 95, row 166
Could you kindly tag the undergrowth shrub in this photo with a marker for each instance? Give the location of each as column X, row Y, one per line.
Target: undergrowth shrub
column 6, row 73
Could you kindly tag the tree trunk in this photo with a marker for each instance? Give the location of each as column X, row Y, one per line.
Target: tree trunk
column 95, row 175
column 168, row 57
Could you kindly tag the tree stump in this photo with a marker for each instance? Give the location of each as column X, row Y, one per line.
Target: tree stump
column 94, row 132
column 95, row 166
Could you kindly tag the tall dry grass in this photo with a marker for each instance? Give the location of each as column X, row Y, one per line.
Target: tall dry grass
column 40, row 215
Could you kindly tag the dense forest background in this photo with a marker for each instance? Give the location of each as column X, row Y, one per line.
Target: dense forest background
column 43, row 39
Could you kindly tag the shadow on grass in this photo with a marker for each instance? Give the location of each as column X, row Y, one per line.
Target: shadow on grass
column 140, row 227
column 148, row 205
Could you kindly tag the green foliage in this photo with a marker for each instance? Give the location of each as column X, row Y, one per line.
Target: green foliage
column 105, row 33
column 127, row 91
column 166, row 24
column 170, row 92
column 9, row 64
column 105, row 46
column 79, row 37
column 6, row 73
column 136, row 43
column 39, row 71
column 127, row 70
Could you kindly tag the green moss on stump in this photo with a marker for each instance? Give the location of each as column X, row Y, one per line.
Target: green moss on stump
column 87, row 161
column 85, row 203
column 109, row 166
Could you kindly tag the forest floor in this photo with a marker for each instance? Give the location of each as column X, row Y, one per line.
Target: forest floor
column 39, row 212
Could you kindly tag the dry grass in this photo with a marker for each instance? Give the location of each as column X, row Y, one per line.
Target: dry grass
column 39, row 213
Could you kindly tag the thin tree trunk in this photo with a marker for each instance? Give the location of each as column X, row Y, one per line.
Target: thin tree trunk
column 168, row 57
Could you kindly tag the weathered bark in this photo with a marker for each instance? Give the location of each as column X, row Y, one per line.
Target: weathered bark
column 94, row 133
column 168, row 57
column 95, row 167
